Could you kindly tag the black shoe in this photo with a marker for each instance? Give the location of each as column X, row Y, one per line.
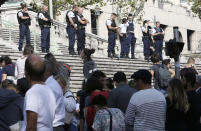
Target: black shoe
column 133, row 57
column 72, row 53
column 109, row 55
column 122, row 56
column 43, row 51
column 20, row 49
column 114, row 55
column 47, row 51
column 146, row 58
column 126, row 56
column 79, row 52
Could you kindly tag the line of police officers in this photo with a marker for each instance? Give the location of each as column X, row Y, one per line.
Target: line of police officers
column 76, row 26
column 128, row 39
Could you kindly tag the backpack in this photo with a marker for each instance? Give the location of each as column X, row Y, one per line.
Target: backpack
column 164, row 77
column 69, row 115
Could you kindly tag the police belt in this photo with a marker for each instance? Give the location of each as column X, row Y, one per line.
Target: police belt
column 46, row 26
column 131, row 32
column 81, row 27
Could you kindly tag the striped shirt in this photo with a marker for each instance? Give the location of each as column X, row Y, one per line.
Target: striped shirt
column 146, row 111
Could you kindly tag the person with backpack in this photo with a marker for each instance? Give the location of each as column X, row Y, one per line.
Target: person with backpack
column 72, row 27
column 89, row 65
column 24, row 21
column 45, row 22
column 107, row 119
column 165, row 75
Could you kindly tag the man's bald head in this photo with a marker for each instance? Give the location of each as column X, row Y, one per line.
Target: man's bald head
column 35, row 68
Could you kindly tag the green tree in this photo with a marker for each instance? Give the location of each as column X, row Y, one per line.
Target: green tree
column 196, row 7
column 123, row 7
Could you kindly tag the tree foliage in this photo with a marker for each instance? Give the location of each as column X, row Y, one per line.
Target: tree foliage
column 123, row 7
column 196, row 7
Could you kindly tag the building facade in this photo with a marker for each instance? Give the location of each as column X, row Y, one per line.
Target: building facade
column 171, row 13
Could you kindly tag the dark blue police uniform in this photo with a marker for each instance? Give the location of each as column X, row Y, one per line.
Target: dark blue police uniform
column 158, row 42
column 71, row 32
column 45, row 32
column 24, row 29
column 112, row 36
column 131, row 39
column 80, row 35
column 124, row 45
column 147, row 43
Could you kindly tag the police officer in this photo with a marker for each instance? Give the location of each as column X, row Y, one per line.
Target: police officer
column 112, row 35
column 131, row 37
column 123, row 38
column 81, row 31
column 72, row 22
column 158, row 36
column 24, row 21
column 146, row 31
column 45, row 25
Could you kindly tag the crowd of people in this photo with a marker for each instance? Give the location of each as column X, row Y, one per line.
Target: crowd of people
column 35, row 95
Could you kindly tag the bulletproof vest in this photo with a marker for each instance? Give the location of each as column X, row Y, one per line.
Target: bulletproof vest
column 113, row 25
column 130, row 27
column 42, row 22
column 80, row 25
column 22, row 21
column 148, row 32
column 75, row 19
column 158, row 37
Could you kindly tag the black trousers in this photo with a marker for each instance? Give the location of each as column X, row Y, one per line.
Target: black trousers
column 59, row 128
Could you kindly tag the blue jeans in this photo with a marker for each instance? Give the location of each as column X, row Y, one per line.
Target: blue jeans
column 147, row 44
column 24, row 31
column 111, row 42
column 72, row 128
column 131, row 43
column 158, row 48
column 71, row 35
column 80, row 39
column 45, row 38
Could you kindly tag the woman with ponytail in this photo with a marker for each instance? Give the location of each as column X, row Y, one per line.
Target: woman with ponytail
column 89, row 65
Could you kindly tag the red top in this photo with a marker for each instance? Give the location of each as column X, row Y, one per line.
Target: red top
column 91, row 112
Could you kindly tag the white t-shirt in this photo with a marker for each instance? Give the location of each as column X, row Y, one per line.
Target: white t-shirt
column 19, row 68
column 123, row 28
column 71, row 14
column 60, row 107
column 40, row 99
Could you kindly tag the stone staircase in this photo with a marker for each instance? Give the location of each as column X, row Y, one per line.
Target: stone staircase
column 107, row 65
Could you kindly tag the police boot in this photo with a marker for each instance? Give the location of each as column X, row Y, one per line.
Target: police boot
column 122, row 56
column 109, row 54
column 72, row 53
column 126, row 56
column 133, row 56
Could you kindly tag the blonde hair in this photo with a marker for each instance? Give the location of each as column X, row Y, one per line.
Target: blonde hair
column 177, row 95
